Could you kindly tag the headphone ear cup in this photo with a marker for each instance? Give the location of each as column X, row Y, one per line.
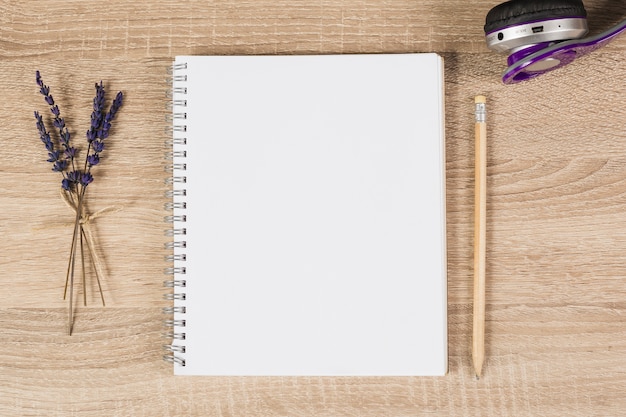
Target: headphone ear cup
column 554, row 56
column 516, row 12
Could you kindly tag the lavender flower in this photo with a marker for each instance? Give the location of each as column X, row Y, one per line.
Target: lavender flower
column 71, row 180
column 97, row 114
column 115, row 106
column 93, row 159
column 70, row 152
column 66, row 184
column 100, row 125
column 62, row 159
column 98, row 146
column 43, row 133
column 58, row 122
column 53, row 156
column 85, row 178
column 59, row 164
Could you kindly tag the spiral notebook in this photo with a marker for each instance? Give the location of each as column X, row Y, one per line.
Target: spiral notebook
column 308, row 211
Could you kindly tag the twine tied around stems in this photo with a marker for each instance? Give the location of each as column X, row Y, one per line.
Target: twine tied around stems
column 86, row 232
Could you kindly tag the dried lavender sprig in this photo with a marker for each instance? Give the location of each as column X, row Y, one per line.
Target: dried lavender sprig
column 100, row 125
column 60, row 165
column 115, row 106
column 54, row 155
column 97, row 115
column 58, row 122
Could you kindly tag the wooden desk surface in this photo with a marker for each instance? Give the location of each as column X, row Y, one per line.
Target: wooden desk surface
column 556, row 313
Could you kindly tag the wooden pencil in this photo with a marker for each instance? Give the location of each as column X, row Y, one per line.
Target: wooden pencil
column 480, row 234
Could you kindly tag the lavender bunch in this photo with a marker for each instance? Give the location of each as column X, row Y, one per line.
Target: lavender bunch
column 62, row 155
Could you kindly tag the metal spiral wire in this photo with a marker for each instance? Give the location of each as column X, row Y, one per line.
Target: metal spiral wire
column 175, row 164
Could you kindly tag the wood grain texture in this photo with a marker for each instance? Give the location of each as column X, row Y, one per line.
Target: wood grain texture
column 556, row 315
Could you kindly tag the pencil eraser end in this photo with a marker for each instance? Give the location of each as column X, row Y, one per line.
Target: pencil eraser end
column 480, row 99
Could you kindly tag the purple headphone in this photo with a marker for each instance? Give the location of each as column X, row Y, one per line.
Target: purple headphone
column 541, row 35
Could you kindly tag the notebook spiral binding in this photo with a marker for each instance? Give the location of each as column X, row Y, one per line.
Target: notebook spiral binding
column 176, row 219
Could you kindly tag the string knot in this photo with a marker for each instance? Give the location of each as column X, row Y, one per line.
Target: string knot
column 85, row 220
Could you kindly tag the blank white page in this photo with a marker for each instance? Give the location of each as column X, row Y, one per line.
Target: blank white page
column 315, row 219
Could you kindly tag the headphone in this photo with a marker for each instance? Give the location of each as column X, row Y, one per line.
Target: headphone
column 541, row 35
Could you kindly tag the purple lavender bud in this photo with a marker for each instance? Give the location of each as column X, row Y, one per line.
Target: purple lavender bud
column 42, row 130
column 44, row 90
column 86, row 178
column 73, row 176
column 59, row 123
column 91, row 135
column 117, row 103
column 65, row 137
column 66, row 184
column 93, row 159
column 95, row 120
column 98, row 101
column 115, row 106
column 53, row 156
column 39, row 120
column 49, row 99
column 59, row 166
column 70, row 152
column 98, row 146
column 38, row 78
column 55, row 110
column 103, row 134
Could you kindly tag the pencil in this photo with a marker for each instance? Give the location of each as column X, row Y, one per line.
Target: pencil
column 480, row 235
